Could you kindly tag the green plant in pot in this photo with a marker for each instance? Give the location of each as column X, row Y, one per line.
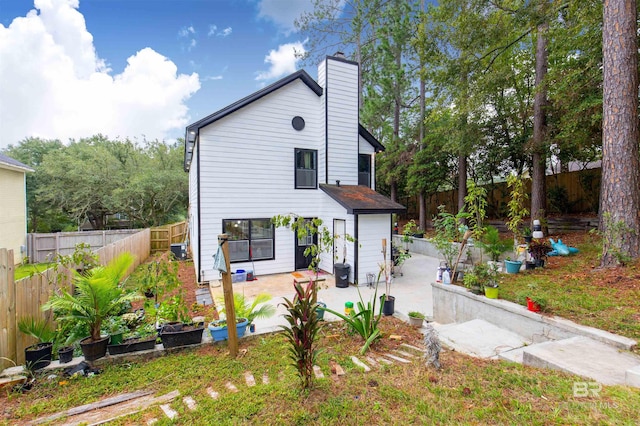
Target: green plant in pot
column 115, row 327
column 416, row 318
column 38, row 355
column 98, row 295
column 408, row 231
column 492, row 244
column 251, row 311
column 539, row 251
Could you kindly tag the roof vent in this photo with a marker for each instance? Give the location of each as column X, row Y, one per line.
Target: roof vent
column 339, row 54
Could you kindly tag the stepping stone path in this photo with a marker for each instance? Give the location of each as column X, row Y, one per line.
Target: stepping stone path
column 126, row 404
column 248, row 378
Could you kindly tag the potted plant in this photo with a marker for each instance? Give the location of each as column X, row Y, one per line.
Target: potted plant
column 38, row 355
column 536, row 303
column 492, row 244
column 512, row 266
column 97, row 295
column 416, row 318
column 539, row 252
column 251, row 311
column 219, row 330
column 474, row 278
column 408, row 231
column 142, row 338
column 115, row 327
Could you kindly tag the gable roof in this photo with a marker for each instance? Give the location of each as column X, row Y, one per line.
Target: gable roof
column 193, row 128
column 11, row 164
column 358, row 199
column 191, row 132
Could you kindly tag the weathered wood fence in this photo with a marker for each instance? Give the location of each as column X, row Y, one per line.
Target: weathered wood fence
column 24, row 297
column 569, row 193
column 44, row 247
column 163, row 237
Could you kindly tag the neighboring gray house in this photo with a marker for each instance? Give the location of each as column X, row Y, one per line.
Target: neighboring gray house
column 295, row 146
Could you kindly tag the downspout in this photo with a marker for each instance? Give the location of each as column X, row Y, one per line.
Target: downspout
column 326, row 123
column 199, row 208
column 355, row 249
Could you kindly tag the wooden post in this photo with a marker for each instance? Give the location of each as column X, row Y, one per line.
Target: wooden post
column 227, row 287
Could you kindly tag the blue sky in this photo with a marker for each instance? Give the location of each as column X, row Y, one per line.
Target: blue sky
column 136, row 68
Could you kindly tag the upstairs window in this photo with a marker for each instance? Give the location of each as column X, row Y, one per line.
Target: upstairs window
column 249, row 239
column 306, row 169
column 364, row 170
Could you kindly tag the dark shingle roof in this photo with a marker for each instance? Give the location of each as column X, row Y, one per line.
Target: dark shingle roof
column 13, row 164
column 358, row 199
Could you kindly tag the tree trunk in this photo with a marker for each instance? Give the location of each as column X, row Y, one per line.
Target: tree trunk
column 422, row 208
column 462, row 180
column 539, row 157
column 620, row 188
column 393, row 189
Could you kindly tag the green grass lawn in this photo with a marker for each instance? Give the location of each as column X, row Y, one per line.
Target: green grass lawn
column 576, row 289
column 465, row 391
column 28, row 269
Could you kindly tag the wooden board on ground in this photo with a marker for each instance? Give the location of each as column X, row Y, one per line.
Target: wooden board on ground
column 109, row 409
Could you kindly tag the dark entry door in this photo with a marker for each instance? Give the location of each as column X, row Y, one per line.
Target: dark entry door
column 302, row 261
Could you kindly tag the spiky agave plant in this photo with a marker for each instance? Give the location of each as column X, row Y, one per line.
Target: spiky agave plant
column 97, row 295
column 302, row 331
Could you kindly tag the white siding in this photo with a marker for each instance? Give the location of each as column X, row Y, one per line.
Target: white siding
column 248, row 171
column 342, row 115
column 371, row 230
column 193, row 208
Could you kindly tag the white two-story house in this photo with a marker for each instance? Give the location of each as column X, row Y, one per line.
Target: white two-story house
column 295, row 146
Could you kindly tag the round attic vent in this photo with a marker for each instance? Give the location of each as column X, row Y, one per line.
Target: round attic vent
column 297, row 122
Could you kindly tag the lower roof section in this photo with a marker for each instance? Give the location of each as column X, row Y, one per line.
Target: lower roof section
column 358, row 199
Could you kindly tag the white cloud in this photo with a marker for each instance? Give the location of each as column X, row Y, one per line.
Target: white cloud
column 283, row 13
column 213, row 31
column 192, row 44
column 282, row 61
column 186, row 31
column 53, row 84
column 212, row 78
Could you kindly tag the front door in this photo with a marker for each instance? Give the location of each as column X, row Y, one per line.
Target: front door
column 302, row 261
column 339, row 241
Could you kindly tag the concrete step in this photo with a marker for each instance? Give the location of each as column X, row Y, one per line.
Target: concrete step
column 479, row 338
column 585, row 357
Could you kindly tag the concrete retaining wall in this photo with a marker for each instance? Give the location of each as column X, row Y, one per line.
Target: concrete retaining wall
column 424, row 246
column 452, row 303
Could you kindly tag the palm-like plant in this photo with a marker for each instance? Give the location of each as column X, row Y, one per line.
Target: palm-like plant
column 246, row 310
column 97, row 295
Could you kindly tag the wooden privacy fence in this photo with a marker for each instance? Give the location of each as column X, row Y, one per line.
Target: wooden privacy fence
column 23, row 298
column 567, row 193
column 163, row 237
column 44, row 247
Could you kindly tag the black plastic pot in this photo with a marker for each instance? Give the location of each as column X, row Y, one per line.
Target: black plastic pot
column 65, row 354
column 530, row 265
column 388, row 304
column 94, row 350
column 539, row 263
column 189, row 335
column 38, row 356
column 132, row 345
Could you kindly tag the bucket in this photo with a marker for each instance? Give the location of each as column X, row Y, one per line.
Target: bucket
column 348, row 308
column 250, row 275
